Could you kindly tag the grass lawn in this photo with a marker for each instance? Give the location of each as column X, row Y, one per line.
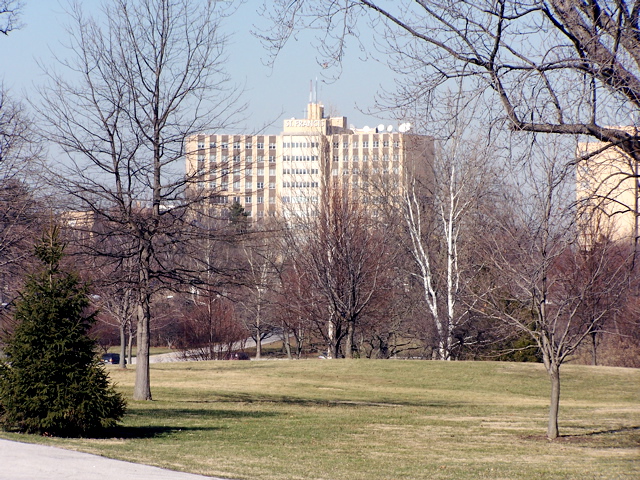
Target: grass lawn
column 376, row 420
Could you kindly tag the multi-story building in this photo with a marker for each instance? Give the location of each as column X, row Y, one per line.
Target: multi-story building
column 607, row 193
column 287, row 174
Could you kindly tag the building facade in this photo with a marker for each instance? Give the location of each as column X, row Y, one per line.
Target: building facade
column 607, row 193
column 287, row 174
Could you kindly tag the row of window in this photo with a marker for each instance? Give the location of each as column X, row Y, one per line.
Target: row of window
column 300, row 171
column 300, row 184
column 299, row 158
column 248, row 172
column 365, row 158
column 299, row 199
column 300, row 145
column 248, row 160
column 365, row 144
column 213, row 185
column 236, row 145
column 356, row 171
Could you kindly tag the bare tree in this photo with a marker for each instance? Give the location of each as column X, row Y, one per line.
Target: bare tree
column 142, row 78
column 22, row 211
column 10, row 11
column 555, row 66
column 440, row 210
column 262, row 258
column 342, row 250
column 543, row 278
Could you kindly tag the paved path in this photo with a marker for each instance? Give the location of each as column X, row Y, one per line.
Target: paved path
column 24, row 461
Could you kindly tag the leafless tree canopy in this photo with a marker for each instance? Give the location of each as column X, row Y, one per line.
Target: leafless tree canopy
column 556, row 66
column 10, row 15
column 139, row 80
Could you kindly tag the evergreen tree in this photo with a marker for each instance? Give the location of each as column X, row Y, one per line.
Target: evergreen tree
column 50, row 379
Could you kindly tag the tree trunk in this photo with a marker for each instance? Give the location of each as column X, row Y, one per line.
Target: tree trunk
column 594, row 348
column 349, row 343
column 142, row 387
column 332, row 347
column 123, row 345
column 554, row 406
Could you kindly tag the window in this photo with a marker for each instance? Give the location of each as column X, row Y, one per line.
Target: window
column 396, row 144
column 261, row 172
column 236, row 159
column 365, row 157
column 336, row 144
column 248, row 160
column 272, row 146
column 236, row 185
column 236, row 170
column 224, row 186
column 396, row 157
column 201, row 144
column 260, row 158
column 376, row 144
column 272, row 159
column 225, row 171
column 248, row 185
column 260, row 199
column 213, row 185
column 212, row 144
column 354, row 144
column 272, row 200
column 260, row 185
column 272, row 172
column 375, row 157
column 365, row 144
column 260, row 145
column 336, row 158
column 249, row 172
column 334, row 172
column 345, row 144
column 385, row 157
column 236, row 199
column 248, row 145
column 224, row 145
column 247, row 199
column 272, row 185
column 224, row 159
column 356, row 159
column 385, row 143
column 236, row 145
column 201, row 157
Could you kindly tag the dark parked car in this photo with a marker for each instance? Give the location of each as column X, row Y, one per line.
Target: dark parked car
column 112, row 358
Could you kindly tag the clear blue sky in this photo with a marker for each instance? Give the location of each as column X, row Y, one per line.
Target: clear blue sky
column 284, row 88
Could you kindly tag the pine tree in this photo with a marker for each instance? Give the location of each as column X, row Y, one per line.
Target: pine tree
column 50, row 379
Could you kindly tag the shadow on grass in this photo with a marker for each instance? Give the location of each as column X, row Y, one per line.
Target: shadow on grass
column 130, row 433
column 602, row 432
column 325, row 402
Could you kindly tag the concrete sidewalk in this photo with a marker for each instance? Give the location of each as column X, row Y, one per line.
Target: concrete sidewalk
column 25, row 461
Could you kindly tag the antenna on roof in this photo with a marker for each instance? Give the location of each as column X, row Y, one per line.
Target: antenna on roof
column 310, row 91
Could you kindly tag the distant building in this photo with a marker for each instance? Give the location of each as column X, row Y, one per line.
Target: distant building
column 607, row 193
column 286, row 174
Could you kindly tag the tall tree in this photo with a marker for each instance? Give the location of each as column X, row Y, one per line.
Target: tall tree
column 342, row 251
column 143, row 77
column 440, row 210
